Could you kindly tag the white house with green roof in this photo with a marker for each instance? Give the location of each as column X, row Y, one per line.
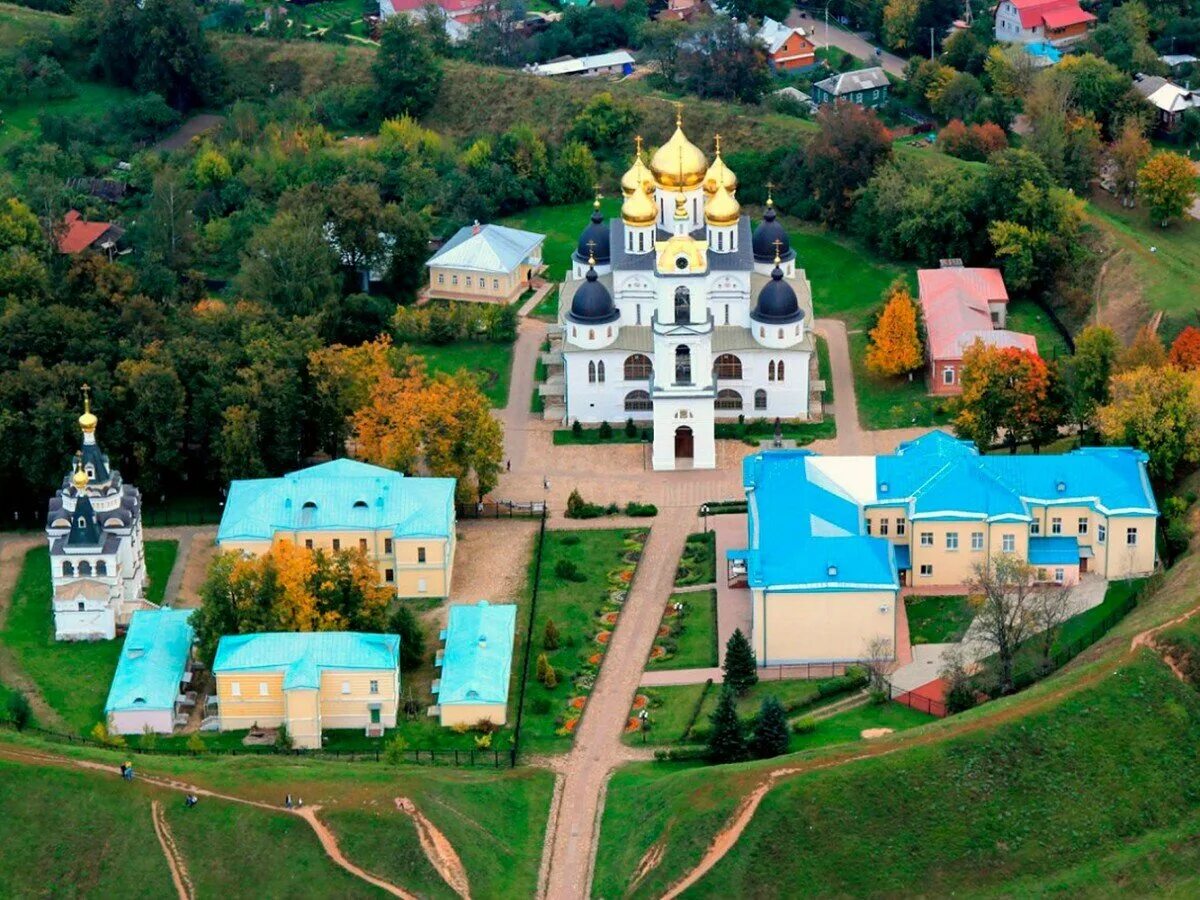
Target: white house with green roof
column 476, row 664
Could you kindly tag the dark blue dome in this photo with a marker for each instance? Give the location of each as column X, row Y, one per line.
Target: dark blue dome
column 766, row 234
column 777, row 303
column 595, row 234
column 592, row 303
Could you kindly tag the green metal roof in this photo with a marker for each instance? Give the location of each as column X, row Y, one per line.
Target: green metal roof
column 477, row 660
column 153, row 659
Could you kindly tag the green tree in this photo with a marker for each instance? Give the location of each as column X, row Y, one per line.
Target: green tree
column 851, row 144
column 404, row 622
column 604, row 122
column 1088, row 371
column 740, row 666
column 719, row 61
column 727, row 735
column 574, row 174
column 770, row 730
column 151, row 397
column 407, row 71
column 550, row 636
column 238, row 445
column 17, row 710
column 1167, row 182
column 289, row 264
column 1157, row 410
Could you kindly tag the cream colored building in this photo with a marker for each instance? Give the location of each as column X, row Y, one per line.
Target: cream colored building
column 405, row 526
column 833, row 539
column 308, row 681
column 486, row 263
column 476, row 664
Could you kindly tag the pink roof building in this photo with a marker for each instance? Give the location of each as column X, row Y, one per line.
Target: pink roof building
column 962, row 306
column 78, row 235
column 1054, row 21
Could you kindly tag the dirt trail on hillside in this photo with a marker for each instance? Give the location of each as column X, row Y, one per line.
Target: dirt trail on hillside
column 179, row 872
column 308, row 814
column 439, row 851
column 727, row 837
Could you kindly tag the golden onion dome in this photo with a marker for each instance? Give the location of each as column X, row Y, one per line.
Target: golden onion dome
column 679, row 163
column 87, row 421
column 80, row 480
column 719, row 174
column 639, row 210
column 638, row 176
column 722, row 209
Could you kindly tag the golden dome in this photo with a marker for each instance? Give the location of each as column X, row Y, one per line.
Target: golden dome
column 679, row 162
column 719, row 174
column 87, row 421
column 639, row 210
column 80, row 480
column 722, row 209
column 638, row 176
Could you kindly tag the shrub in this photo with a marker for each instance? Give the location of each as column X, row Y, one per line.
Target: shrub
column 483, row 741
column 393, row 751
column 17, row 710
column 569, row 540
column 672, row 754
column 149, row 739
column 630, row 429
column 543, row 667
column 101, row 734
column 578, row 508
column 551, row 681
column 540, row 706
column 550, row 634
column 605, row 431
column 641, row 510
column 805, row 725
column 195, row 743
column 485, row 725
column 283, row 740
column 567, row 571
column 879, row 697
column 405, row 623
column 577, row 429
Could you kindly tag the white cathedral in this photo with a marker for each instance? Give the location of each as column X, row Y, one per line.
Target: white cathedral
column 677, row 315
column 97, row 558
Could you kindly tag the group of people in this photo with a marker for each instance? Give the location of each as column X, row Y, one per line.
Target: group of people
column 189, row 800
column 288, row 804
column 127, row 770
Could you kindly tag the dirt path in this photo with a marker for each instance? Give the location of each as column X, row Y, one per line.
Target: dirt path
column 727, row 837
column 12, row 675
column 330, row 845
column 439, row 851
column 179, row 872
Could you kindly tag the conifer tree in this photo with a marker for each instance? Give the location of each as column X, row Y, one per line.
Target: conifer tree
column 741, row 670
column 895, row 346
column 727, row 738
column 543, row 666
column 770, row 730
column 550, row 636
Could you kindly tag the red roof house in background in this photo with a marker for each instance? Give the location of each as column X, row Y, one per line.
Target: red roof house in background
column 1052, row 21
column 962, row 306
column 79, row 235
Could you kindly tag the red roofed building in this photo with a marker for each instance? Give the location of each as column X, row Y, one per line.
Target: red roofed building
column 962, row 306
column 78, row 235
column 1055, row 22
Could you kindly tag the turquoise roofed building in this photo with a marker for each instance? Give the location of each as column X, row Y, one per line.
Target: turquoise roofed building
column 405, row 526
column 148, row 687
column 832, row 540
column 476, row 664
column 308, row 681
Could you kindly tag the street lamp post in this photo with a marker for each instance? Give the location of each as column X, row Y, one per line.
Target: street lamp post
column 704, row 513
column 644, row 716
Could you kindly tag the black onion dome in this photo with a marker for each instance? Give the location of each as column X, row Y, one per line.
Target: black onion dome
column 766, row 234
column 592, row 303
column 595, row 234
column 777, row 303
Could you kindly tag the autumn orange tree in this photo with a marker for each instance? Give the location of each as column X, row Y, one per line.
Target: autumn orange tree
column 1167, row 182
column 1010, row 393
column 1157, row 410
column 289, row 588
column 1185, row 351
column 1145, row 350
column 895, row 346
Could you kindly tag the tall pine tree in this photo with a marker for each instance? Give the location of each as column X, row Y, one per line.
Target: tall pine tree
column 770, row 730
column 741, row 671
column 727, row 738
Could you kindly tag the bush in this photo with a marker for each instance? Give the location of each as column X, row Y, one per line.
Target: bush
column 393, row 751
column 405, row 623
column 283, row 740
column 680, row 754
column 630, row 429
column 101, row 734
column 577, row 429
column 540, row 706
column 805, row 725
column 567, row 571
column 605, row 431
column 195, row 743
column 149, row 739
column 17, row 710
column 640, row 510
column 578, row 508
column 483, row 741
column 879, row 697
column 569, row 540
column 485, row 726
column 550, row 634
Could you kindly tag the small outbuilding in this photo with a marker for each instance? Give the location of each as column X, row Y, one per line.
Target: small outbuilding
column 487, row 263
column 476, row 664
column 146, row 688
column 864, row 87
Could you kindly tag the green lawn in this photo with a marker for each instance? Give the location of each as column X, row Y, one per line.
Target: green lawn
column 843, row 727
column 603, row 565
column 160, row 559
column 20, row 120
column 824, row 369
column 698, row 565
column 695, row 645
column 491, row 363
column 562, row 226
column 73, row 676
column 938, row 620
column 547, row 308
column 1026, row 316
column 591, row 435
column 892, row 402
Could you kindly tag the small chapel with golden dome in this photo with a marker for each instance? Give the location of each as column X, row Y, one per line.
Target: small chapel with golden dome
column 97, row 556
column 679, row 313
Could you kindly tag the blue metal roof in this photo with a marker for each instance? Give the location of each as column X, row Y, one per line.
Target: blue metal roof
column 477, row 660
column 153, row 659
column 301, row 655
column 903, row 556
column 339, row 495
column 1053, row 551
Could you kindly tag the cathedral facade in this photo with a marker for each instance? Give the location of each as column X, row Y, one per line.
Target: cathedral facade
column 679, row 314
column 97, row 557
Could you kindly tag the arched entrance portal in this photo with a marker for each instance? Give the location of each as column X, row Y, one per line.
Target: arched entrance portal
column 684, row 442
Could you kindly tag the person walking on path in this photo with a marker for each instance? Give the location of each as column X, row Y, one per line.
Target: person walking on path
column 127, row 771
column 287, row 802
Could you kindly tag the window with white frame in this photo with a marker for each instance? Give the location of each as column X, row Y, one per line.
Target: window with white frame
column 883, row 527
column 374, row 687
column 1059, row 576
column 1035, row 528
column 235, row 688
column 1083, row 524
column 263, row 690
column 1131, row 537
column 900, row 525
column 976, row 540
column 951, row 540
column 422, row 586
column 345, row 687
column 1008, row 543
column 926, row 570
column 1101, row 533
column 948, row 375
column 926, row 538
column 1056, row 525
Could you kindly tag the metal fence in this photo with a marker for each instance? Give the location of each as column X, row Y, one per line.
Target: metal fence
column 501, row 509
column 806, row 670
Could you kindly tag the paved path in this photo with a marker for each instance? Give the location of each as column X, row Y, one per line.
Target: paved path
column 516, row 416
column 854, row 43
column 845, row 403
column 528, row 306
column 671, row 677
column 574, row 823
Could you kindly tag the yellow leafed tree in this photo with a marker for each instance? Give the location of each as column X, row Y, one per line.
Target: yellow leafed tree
column 895, row 346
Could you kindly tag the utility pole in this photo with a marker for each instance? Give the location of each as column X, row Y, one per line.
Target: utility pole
column 931, row 44
column 826, row 26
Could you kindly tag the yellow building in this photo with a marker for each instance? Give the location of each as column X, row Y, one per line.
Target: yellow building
column 487, row 263
column 308, row 681
column 405, row 526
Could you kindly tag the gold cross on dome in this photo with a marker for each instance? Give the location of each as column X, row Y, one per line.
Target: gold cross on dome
column 638, row 141
column 591, row 245
column 778, row 244
column 717, row 141
column 87, row 397
column 678, row 114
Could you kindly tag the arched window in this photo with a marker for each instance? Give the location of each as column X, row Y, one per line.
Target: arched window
column 771, row 370
column 360, row 504
column 720, row 240
column 728, row 366
column 683, row 304
column 760, row 399
column 781, row 334
column 779, row 371
column 101, row 567
column 641, row 241
column 638, row 367
column 683, row 364
column 728, row 399
column 608, row 331
column 68, row 570
column 309, row 504
column 762, row 332
column 600, row 371
column 85, row 568
column 591, row 372
column 591, row 334
column 638, row 401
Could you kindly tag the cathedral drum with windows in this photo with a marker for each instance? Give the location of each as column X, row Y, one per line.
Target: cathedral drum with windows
column 679, row 314
column 97, row 558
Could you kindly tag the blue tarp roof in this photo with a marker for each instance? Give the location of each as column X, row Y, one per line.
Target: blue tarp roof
column 302, row 655
column 1053, row 551
column 153, row 659
column 477, row 660
column 339, row 495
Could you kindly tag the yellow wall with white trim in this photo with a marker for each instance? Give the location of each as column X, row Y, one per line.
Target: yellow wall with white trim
column 469, row 714
column 820, row 626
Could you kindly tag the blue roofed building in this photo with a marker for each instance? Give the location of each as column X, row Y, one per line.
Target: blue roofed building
column 833, row 539
column 308, row 681
column 488, row 263
column 476, row 664
column 404, row 525
column 147, row 690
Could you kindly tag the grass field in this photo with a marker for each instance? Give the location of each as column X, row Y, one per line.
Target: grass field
column 847, row 726
column 1026, row 316
column 698, row 565
column 547, row 307
column 824, row 369
column 20, row 120
column 491, row 363
column 938, row 620
column 73, row 677
column 892, row 402
column 562, row 226
column 575, row 604
column 695, row 646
